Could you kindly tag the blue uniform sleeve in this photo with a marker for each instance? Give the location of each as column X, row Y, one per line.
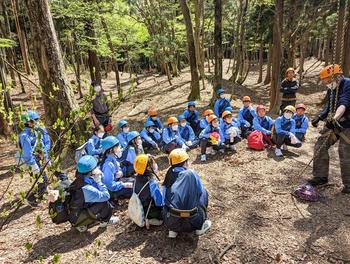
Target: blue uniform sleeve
column 160, row 124
column 91, row 149
column 205, row 133
column 292, row 128
column 122, row 140
column 222, row 136
column 27, row 150
column 203, row 123
column 156, row 194
column 131, row 156
column 257, row 126
column 166, row 138
column 304, row 126
column 148, row 139
column 108, row 178
column 94, row 195
column 240, row 116
column 344, row 98
column 191, row 132
column 216, row 107
column 278, row 127
column 179, row 140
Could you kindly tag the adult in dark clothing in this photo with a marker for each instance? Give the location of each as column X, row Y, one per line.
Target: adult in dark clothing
column 289, row 88
column 100, row 110
column 336, row 115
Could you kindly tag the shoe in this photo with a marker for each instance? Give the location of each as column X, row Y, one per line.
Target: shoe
column 155, row 222
column 203, row 157
column 81, row 229
column 205, row 227
column 233, row 148
column 172, row 234
column 112, row 221
column 211, row 151
column 346, row 190
column 317, row 181
column 278, row 152
column 285, row 147
column 222, row 151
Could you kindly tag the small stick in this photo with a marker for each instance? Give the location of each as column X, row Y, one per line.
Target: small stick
column 292, row 197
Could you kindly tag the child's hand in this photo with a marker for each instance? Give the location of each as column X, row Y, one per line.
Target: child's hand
column 53, row 196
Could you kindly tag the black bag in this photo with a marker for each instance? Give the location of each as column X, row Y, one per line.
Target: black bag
column 59, row 210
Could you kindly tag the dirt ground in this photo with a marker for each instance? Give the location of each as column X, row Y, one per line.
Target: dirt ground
column 255, row 219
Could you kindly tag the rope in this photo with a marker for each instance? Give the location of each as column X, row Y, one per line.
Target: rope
column 345, row 25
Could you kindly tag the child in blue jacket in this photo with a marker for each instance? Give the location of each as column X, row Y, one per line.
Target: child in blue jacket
column 192, row 117
column 187, row 133
column 150, row 137
column 153, row 116
column 93, row 145
column 246, row 116
column 301, row 122
column 230, row 130
column 122, row 136
column 221, row 103
column 171, row 136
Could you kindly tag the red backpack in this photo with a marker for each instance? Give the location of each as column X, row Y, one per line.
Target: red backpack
column 256, row 140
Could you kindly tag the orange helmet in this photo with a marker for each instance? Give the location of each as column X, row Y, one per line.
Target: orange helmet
column 172, row 120
column 152, row 111
column 212, row 118
column 300, row 106
column 226, row 113
column 330, row 71
column 290, row 69
column 246, row 99
column 208, row 112
column 260, row 107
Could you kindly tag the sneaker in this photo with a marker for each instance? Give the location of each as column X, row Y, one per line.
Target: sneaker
column 81, row 229
column 285, row 147
column 203, row 157
column 112, row 221
column 205, row 227
column 317, row 181
column 172, row 234
column 278, row 152
column 233, row 148
column 155, row 222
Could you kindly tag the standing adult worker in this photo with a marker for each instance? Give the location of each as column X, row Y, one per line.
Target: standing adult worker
column 336, row 116
column 100, row 109
column 289, row 88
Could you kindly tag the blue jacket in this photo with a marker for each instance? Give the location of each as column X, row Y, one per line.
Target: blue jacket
column 127, row 160
column 28, row 145
column 203, row 123
column 122, row 137
column 191, row 117
column 93, row 146
column 246, row 115
column 205, row 134
column 172, row 136
column 220, row 105
column 187, row 133
column 187, row 192
column 152, row 191
column 156, row 121
column 95, row 192
column 109, row 168
column 343, row 99
column 147, row 136
column 284, row 126
column 301, row 123
column 225, row 128
column 45, row 139
column 263, row 124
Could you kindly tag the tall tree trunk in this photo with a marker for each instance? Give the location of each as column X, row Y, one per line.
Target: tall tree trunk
column 346, row 58
column 218, row 46
column 93, row 60
column 269, row 65
column 340, row 35
column 57, row 96
column 199, row 9
column 261, row 61
column 276, row 58
column 195, row 90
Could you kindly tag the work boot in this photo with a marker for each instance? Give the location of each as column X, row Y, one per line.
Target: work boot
column 346, row 190
column 317, row 181
column 172, row 234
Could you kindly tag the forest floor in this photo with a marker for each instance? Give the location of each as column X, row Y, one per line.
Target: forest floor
column 255, row 219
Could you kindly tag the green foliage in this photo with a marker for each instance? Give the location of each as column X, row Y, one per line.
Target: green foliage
column 7, row 43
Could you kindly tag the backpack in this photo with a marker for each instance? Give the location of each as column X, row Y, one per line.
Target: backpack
column 80, row 152
column 256, row 140
column 59, row 210
column 307, row 192
column 135, row 208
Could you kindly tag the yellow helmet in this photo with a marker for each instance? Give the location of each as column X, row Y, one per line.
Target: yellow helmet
column 289, row 108
column 140, row 164
column 178, row 156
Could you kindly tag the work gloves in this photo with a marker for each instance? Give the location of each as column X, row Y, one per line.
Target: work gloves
column 315, row 121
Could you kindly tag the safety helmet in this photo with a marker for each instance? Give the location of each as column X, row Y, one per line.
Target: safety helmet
column 178, row 156
column 33, row 115
column 289, row 108
column 86, row 164
column 226, row 113
column 220, row 91
column 212, row 118
column 172, row 120
column 290, row 69
column 109, row 142
column 300, row 106
column 140, row 163
column 208, row 112
column 122, row 123
column 229, row 108
column 152, row 112
column 29, row 116
column 191, row 103
column 181, row 117
column 132, row 135
column 330, row 71
column 246, row 99
column 149, row 124
column 260, row 107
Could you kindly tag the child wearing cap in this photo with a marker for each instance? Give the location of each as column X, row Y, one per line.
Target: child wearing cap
column 204, row 121
column 187, row 133
column 301, row 122
column 289, row 88
column 153, row 116
column 122, row 136
column 246, row 116
column 221, row 103
column 230, row 130
column 150, row 137
column 191, row 116
column 171, row 136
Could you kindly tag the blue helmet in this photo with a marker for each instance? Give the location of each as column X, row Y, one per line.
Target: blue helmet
column 180, row 117
column 33, row 115
column 149, row 124
column 220, row 91
column 86, row 164
column 229, row 108
column 122, row 123
column 109, row 142
column 132, row 135
column 191, row 103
